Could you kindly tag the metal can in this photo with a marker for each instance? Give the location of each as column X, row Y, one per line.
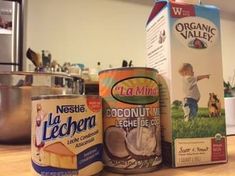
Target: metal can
column 131, row 115
column 66, row 137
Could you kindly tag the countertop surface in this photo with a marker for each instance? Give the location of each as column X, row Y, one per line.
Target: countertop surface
column 15, row 161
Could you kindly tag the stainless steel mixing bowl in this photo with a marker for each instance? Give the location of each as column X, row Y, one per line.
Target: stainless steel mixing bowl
column 16, row 90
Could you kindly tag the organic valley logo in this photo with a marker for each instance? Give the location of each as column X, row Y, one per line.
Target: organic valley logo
column 196, row 32
column 136, row 90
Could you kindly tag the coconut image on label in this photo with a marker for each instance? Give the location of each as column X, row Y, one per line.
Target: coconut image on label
column 141, row 142
column 115, row 142
column 195, row 32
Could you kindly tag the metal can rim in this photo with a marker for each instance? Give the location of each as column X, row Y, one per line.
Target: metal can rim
column 40, row 97
column 127, row 68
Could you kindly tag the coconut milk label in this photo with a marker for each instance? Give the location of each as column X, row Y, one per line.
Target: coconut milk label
column 195, row 32
column 131, row 119
column 67, row 136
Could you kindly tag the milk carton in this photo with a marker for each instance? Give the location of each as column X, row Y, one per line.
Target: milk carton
column 184, row 45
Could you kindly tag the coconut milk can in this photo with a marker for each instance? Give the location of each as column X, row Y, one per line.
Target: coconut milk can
column 131, row 119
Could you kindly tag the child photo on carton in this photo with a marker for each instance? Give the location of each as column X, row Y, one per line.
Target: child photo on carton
column 199, row 112
column 191, row 116
column 191, row 90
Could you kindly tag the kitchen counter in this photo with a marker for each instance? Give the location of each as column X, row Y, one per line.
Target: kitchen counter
column 15, row 161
